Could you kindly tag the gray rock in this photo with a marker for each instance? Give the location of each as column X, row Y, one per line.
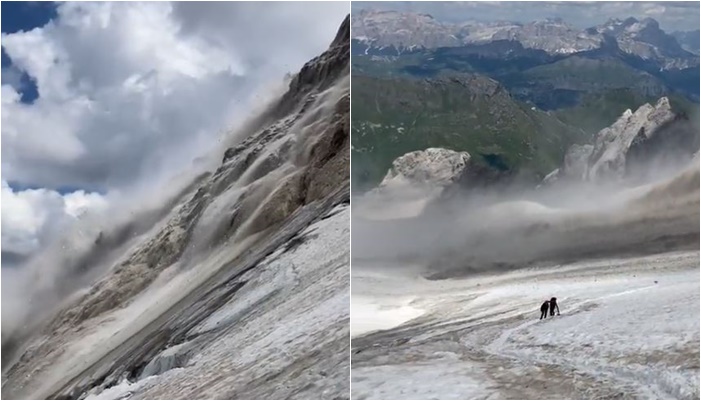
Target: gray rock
column 173, row 357
column 606, row 159
column 406, row 31
column 611, row 145
column 433, row 166
column 551, row 178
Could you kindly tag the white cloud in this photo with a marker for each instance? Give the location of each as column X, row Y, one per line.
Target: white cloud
column 30, row 218
column 80, row 202
column 654, row 10
column 130, row 93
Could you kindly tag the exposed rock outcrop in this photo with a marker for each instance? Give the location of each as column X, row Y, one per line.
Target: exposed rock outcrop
column 433, row 166
column 414, row 181
column 629, row 146
column 611, row 145
column 289, row 170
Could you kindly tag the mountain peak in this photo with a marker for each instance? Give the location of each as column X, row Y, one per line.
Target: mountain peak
column 406, row 31
column 630, row 21
column 651, row 22
column 663, row 103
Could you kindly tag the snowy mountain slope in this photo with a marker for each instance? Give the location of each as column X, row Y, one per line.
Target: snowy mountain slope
column 298, row 293
column 628, row 329
column 645, row 39
column 207, row 253
column 445, row 301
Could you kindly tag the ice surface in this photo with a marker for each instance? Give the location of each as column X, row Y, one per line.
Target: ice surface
column 371, row 316
column 447, row 377
column 290, row 309
column 629, row 328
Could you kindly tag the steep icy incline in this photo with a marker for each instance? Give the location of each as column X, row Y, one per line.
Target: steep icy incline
column 282, row 324
column 206, row 286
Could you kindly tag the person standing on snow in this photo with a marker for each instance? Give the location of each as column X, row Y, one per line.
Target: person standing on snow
column 553, row 305
column 544, row 310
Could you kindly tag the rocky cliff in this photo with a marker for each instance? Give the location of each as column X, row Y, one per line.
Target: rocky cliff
column 231, row 270
column 637, row 141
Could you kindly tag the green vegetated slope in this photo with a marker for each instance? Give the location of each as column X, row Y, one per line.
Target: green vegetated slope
column 513, row 109
column 393, row 116
column 591, row 75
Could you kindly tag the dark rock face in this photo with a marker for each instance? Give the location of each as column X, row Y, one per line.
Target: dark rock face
column 330, row 156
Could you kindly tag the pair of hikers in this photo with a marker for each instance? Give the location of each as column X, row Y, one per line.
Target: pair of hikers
column 552, row 305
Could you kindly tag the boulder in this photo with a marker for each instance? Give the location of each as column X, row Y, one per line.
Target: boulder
column 434, row 167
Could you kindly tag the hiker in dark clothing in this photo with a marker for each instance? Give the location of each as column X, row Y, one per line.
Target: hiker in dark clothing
column 553, row 305
column 544, row 310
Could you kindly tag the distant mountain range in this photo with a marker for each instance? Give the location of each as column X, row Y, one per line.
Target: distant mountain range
column 515, row 96
column 391, row 32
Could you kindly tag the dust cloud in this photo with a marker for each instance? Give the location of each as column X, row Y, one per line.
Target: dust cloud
column 477, row 231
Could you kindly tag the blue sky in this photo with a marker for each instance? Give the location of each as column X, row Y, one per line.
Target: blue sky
column 23, row 16
column 672, row 15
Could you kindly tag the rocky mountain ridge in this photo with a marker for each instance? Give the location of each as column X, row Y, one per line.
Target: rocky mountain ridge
column 636, row 146
column 652, row 134
column 461, row 112
column 197, row 287
column 400, row 32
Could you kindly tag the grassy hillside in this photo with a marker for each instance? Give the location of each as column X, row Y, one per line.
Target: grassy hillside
column 393, row 116
column 540, row 106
